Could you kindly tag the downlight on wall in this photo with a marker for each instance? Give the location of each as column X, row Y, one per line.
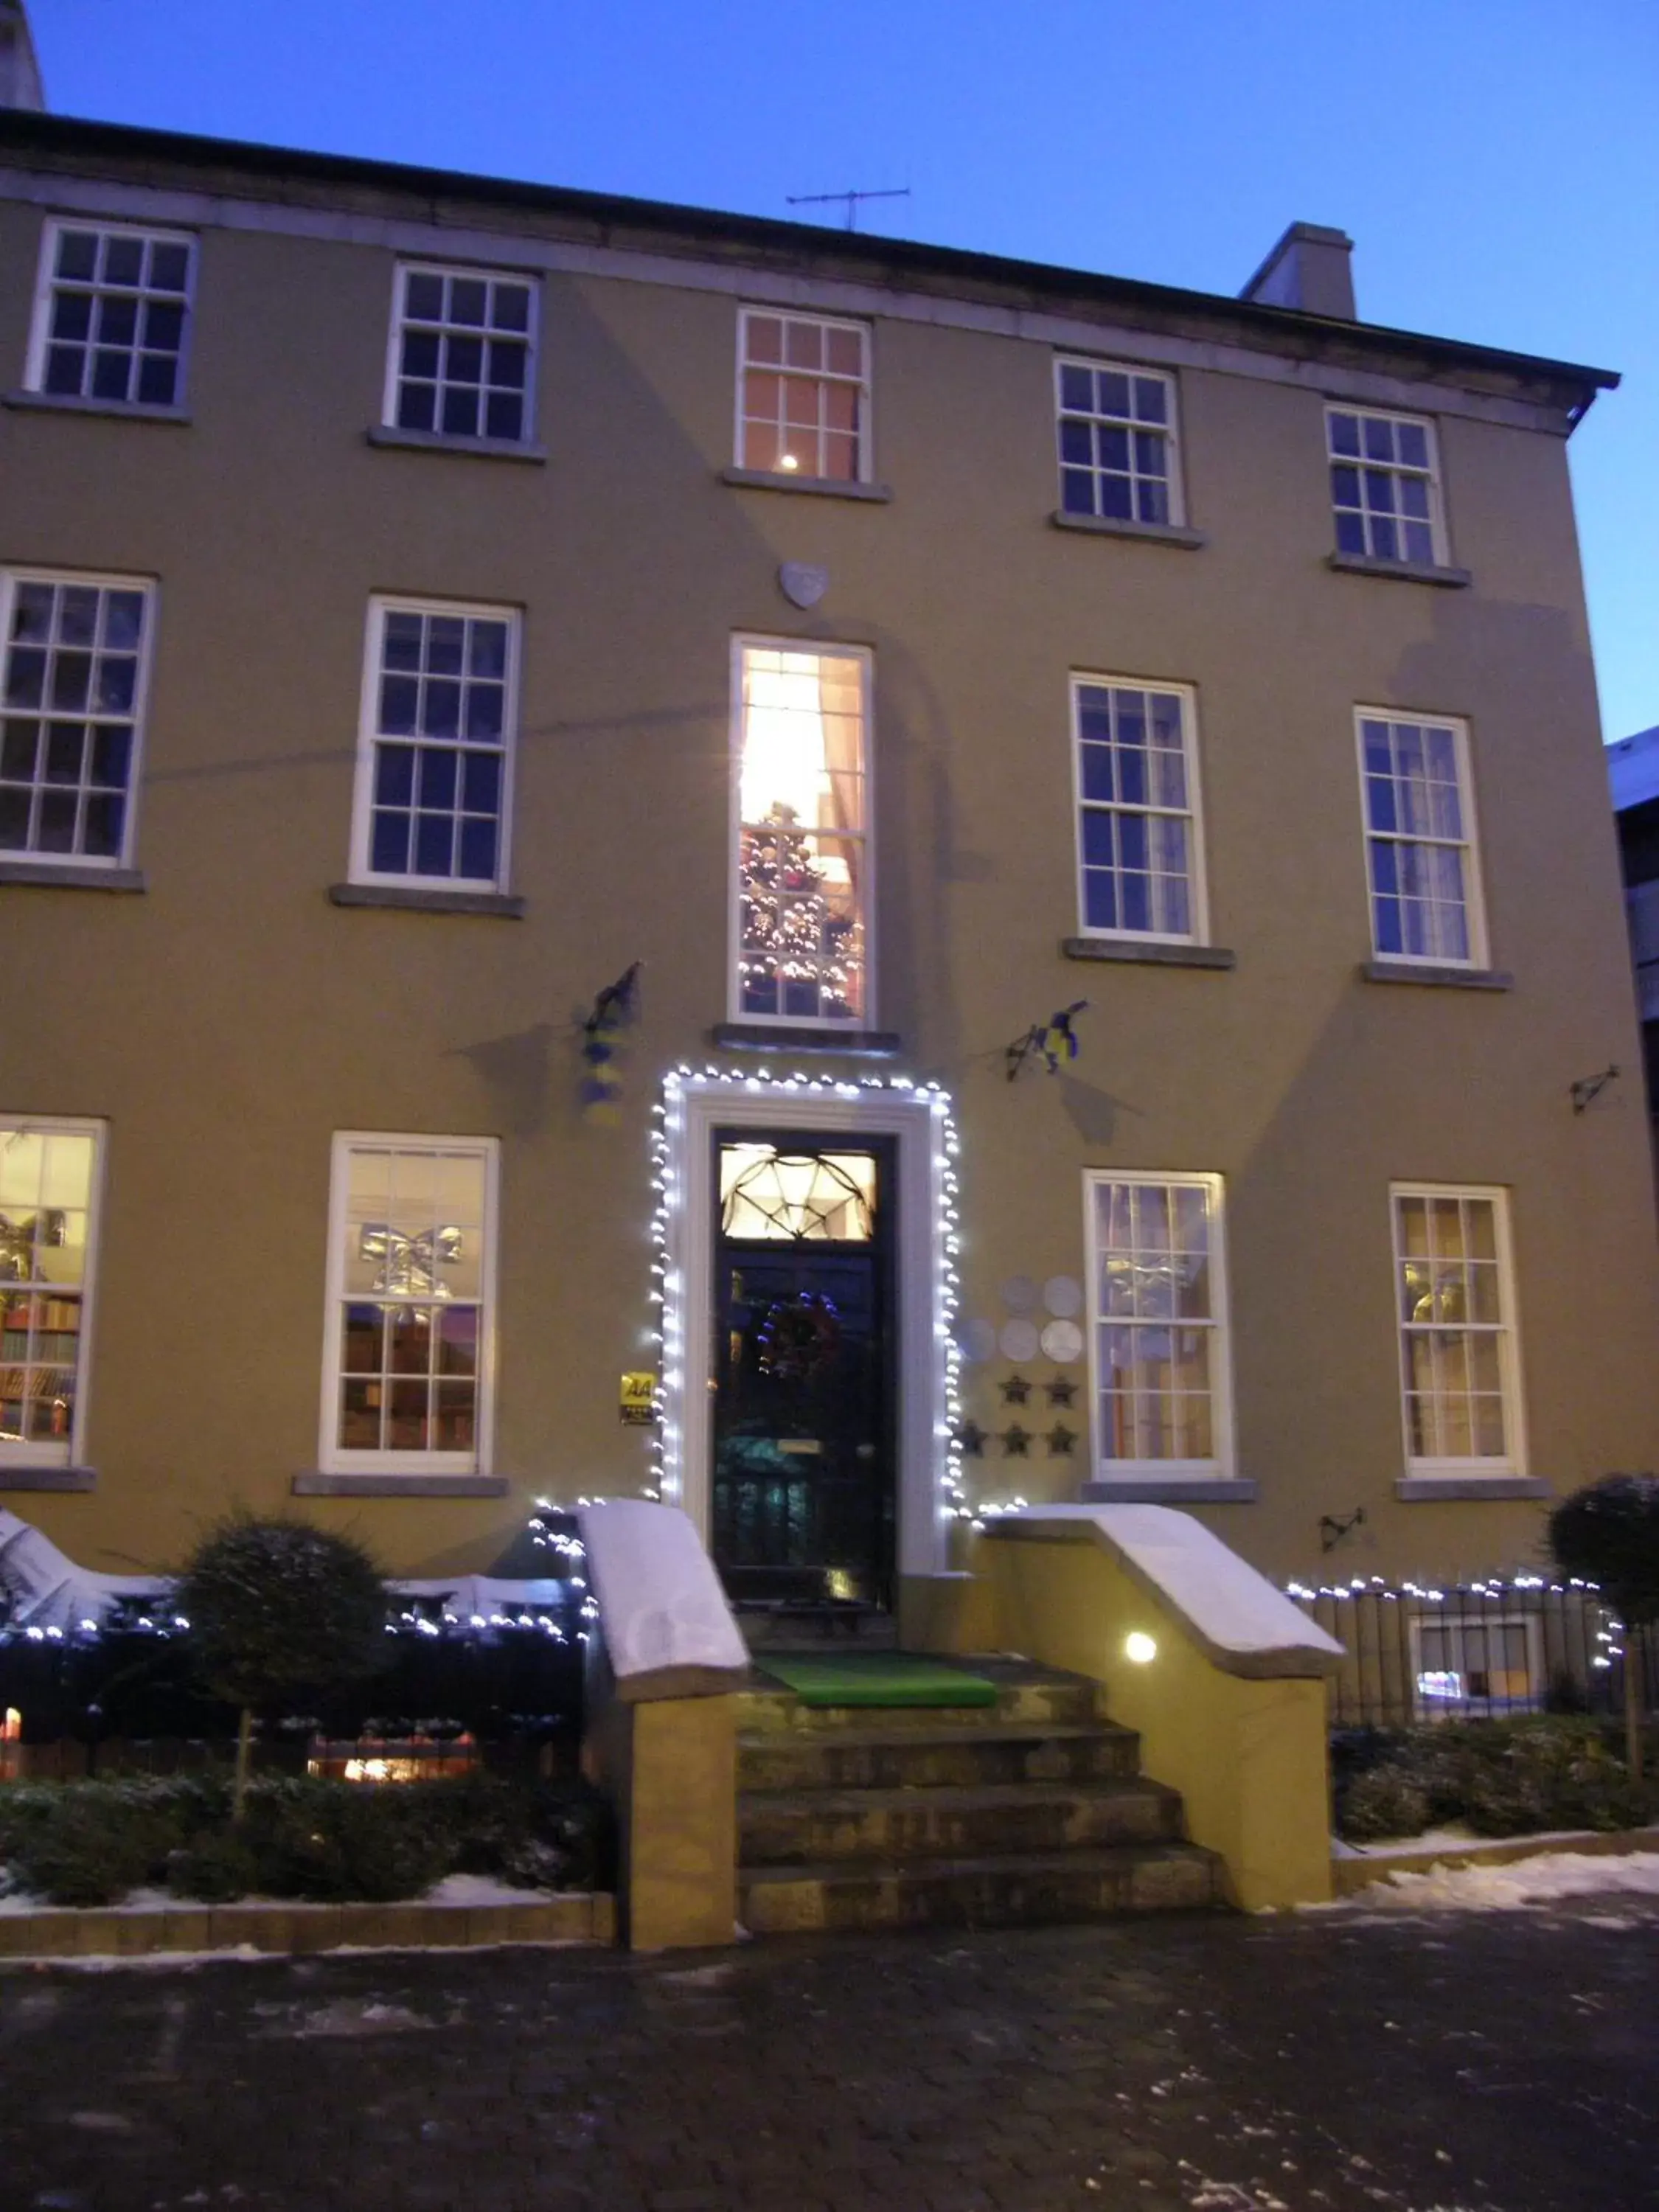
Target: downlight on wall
column 1139, row 1647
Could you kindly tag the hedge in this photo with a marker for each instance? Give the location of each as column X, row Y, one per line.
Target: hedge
column 1499, row 1778
column 90, row 1842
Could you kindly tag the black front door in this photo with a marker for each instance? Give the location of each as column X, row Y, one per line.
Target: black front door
column 803, row 1459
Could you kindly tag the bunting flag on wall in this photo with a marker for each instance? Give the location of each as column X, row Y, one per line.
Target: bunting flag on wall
column 1049, row 1042
column 615, row 1007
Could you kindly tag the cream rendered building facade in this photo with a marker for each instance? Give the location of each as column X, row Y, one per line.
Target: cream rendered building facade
column 426, row 597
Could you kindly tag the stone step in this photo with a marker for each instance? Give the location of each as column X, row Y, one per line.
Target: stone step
column 780, row 1827
column 979, row 1892
column 924, row 1756
column 815, row 1634
column 1025, row 1696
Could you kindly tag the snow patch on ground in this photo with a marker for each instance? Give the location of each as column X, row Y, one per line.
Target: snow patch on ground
column 347, row 2016
column 1455, row 1836
column 1546, row 1880
column 454, row 1890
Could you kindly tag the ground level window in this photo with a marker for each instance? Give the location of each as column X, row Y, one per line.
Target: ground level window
column 1159, row 1315
column 1476, row 1665
column 48, row 1178
column 410, row 1292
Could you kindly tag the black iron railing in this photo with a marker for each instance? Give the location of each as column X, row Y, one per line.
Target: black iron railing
column 1474, row 1650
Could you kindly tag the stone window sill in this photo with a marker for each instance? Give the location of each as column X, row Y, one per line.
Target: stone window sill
column 1443, row 1489
column 825, row 487
column 48, row 1478
column 61, row 878
column 759, row 1036
column 435, row 442
column 496, row 903
column 400, row 1486
column 1147, row 954
column 1154, row 1491
column 1456, row 979
column 1403, row 572
column 1108, row 525
column 64, row 403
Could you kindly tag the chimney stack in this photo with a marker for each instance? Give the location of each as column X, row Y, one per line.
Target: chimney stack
column 1311, row 268
column 20, row 73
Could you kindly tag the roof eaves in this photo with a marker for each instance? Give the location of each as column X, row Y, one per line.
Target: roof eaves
column 1268, row 328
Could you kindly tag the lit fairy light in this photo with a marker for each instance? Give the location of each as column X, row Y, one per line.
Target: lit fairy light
column 667, row 1295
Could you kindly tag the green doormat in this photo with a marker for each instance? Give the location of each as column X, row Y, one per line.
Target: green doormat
column 878, row 1678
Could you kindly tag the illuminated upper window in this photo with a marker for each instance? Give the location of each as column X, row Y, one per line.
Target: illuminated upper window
column 797, row 1197
column 803, row 883
column 803, row 396
column 1459, row 1363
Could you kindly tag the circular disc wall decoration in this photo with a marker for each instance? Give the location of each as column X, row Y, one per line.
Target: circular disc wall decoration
column 1062, row 1341
column 1063, row 1296
column 1019, row 1294
column 1018, row 1339
column 977, row 1340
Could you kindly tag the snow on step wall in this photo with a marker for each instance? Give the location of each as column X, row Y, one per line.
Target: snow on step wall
column 1235, row 1614
column 662, row 1612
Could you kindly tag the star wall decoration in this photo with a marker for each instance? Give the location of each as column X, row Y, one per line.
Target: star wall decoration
column 1062, row 1390
column 971, row 1437
column 1015, row 1390
column 1060, row 1440
column 1015, row 1442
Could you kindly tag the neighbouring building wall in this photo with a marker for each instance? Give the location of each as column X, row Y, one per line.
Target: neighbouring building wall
column 226, row 1023
column 1633, row 769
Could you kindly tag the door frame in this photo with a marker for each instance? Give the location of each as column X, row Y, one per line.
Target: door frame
column 924, row 1290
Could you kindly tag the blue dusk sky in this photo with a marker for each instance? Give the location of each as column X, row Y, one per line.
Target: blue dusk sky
column 1496, row 161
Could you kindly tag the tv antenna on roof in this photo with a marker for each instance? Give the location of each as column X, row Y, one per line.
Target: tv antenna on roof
column 851, row 199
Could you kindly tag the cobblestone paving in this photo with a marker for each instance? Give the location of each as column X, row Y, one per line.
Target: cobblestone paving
column 1455, row 2063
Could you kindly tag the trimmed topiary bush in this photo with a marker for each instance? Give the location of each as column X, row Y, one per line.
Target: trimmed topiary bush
column 1608, row 1533
column 275, row 1607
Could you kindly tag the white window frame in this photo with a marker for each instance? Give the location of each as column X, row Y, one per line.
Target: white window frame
column 742, row 642
column 462, row 440
column 381, row 604
column 71, row 1452
column 1431, row 474
column 1432, row 1708
column 1170, row 430
column 1474, row 904
column 1507, row 1330
column 93, row 863
column 865, row 381
column 334, row 1458
column 1198, row 892
column 46, row 284
column 1221, row 1466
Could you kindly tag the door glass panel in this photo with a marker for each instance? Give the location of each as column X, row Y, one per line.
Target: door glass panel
column 797, row 1197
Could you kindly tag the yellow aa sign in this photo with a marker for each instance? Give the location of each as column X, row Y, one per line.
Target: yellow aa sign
column 638, row 1402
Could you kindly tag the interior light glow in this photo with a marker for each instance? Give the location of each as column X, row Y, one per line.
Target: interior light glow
column 1139, row 1647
